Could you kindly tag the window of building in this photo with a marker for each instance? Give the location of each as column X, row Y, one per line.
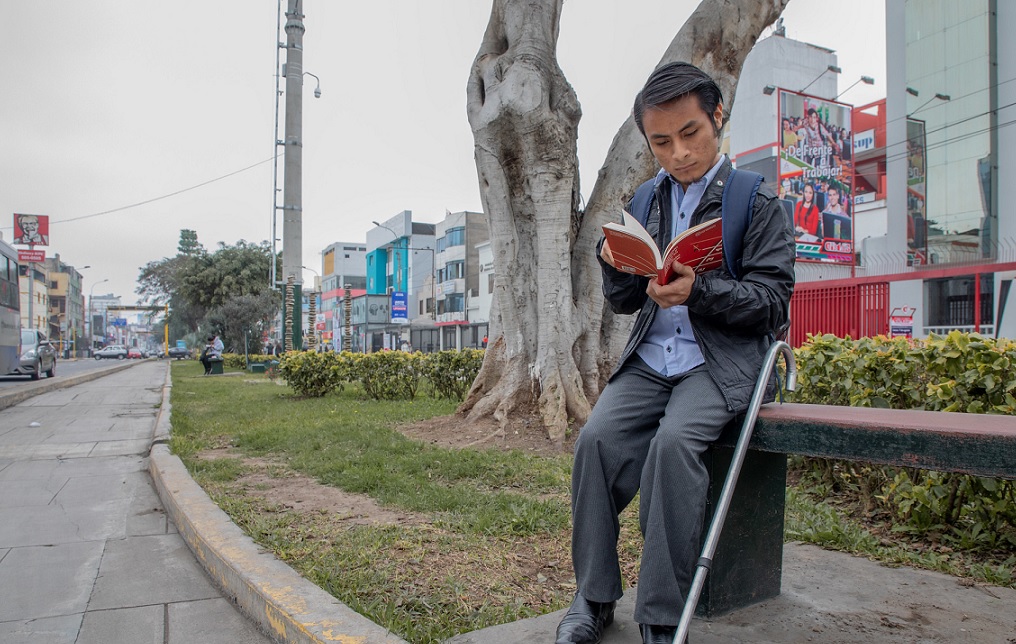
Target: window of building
column 490, row 283
column 952, row 303
column 455, row 303
column 454, row 270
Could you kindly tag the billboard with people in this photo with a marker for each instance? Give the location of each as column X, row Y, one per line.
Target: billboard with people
column 816, row 175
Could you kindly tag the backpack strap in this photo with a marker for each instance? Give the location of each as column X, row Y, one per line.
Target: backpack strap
column 737, row 210
column 642, row 201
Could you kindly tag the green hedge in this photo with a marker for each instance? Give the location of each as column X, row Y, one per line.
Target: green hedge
column 955, row 373
column 239, row 361
column 384, row 375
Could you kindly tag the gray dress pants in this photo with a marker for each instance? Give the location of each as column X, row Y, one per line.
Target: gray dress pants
column 647, row 432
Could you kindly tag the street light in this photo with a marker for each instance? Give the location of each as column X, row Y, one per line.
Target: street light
column 936, row 97
column 91, row 322
column 867, row 80
column 831, row 68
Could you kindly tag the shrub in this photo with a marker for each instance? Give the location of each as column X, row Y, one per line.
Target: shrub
column 310, row 373
column 239, row 361
column 452, row 373
column 386, row 375
column 955, row 373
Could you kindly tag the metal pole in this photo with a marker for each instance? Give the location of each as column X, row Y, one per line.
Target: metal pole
column 726, row 494
column 292, row 209
column 279, row 45
column 31, row 291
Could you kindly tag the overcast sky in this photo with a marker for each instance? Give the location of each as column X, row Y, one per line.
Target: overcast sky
column 161, row 114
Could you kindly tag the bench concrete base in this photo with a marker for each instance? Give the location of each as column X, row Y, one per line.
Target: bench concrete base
column 748, row 564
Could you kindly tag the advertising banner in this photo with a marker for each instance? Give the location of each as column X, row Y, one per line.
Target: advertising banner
column 31, row 230
column 400, row 308
column 917, row 222
column 26, row 256
column 816, row 175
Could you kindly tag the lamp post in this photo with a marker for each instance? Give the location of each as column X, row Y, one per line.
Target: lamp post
column 830, row 68
column 91, row 322
column 867, row 80
column 939, row 97
column 292, row 198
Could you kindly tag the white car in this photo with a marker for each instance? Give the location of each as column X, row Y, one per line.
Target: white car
column 113, row 351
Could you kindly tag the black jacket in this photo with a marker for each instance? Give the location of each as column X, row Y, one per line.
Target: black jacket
column 733, row 320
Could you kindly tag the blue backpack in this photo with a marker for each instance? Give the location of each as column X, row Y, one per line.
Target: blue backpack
column 736, row 211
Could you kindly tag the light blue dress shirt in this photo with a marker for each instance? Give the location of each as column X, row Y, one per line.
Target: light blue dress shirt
column 670, row 346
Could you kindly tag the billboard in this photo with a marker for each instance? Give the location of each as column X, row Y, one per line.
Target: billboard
column 400, row 308
column 917, row 222
column 31, row 230
column 816, row 175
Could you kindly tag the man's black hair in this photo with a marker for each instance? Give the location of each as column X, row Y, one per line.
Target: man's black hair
column 673, row 81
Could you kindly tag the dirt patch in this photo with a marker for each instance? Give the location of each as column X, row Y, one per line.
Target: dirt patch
column 456, row 431
column 293, row 491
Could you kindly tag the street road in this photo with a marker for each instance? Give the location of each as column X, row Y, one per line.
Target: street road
column 63, row 368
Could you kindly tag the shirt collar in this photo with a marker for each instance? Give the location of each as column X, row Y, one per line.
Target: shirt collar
column 706, row 178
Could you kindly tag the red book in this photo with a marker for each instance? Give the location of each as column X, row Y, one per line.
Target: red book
column 635, row 251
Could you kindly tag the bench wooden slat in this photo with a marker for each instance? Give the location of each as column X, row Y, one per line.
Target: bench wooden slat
column 978, row 444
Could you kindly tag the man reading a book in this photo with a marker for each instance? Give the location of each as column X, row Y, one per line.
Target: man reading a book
column 690, row 365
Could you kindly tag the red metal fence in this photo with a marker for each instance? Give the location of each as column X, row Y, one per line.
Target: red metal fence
column 855, row 310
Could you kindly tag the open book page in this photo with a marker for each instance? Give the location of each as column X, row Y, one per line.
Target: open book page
column 634, row 250
column 700, row 247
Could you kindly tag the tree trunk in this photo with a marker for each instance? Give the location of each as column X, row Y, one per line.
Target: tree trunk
column 553, row 341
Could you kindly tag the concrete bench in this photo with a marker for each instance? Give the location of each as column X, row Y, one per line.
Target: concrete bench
column 748, row 564
column 262, row 367
column 216, row 365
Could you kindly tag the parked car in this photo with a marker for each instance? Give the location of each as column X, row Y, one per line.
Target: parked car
column 179, row 352
column 111, row 352
column 38, row 355
column 135, row 352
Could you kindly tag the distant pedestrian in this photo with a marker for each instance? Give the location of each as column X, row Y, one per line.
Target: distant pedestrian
column 206, row 355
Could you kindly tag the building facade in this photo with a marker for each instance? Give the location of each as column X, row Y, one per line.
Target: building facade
column 66, row 307
column 343, row 267
column 459, row 236
column 33, row 284
column 931, row 245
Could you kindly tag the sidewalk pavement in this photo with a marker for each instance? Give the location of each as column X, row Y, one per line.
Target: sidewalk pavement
column 88, row 555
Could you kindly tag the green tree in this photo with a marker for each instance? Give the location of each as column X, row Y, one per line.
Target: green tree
column 241, row 320
column 196, row 283
column 189, row 243
column 210, row 279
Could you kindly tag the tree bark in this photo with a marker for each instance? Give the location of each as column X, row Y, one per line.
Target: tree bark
column 553, row 341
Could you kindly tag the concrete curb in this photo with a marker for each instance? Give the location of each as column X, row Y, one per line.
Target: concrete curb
column 52, row 384
column 284, row 604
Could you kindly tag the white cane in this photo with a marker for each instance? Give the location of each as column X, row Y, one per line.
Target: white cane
column 705, row 562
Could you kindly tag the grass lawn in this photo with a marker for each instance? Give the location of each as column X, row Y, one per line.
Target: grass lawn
column 439, row 541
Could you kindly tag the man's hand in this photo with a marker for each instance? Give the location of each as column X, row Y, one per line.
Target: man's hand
column 674, row 292
column 605, row 253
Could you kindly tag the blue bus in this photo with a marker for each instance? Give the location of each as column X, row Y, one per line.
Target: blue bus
column 10, row 310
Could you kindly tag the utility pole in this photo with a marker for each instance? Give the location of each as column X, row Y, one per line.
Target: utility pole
column 292, row 200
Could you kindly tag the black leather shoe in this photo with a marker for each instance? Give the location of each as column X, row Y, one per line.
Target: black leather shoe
column 653, row 634
column 585, row 621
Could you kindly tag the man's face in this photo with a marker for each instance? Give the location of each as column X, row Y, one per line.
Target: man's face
column 29, row 226
column 834, row 196
column 683, row 137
